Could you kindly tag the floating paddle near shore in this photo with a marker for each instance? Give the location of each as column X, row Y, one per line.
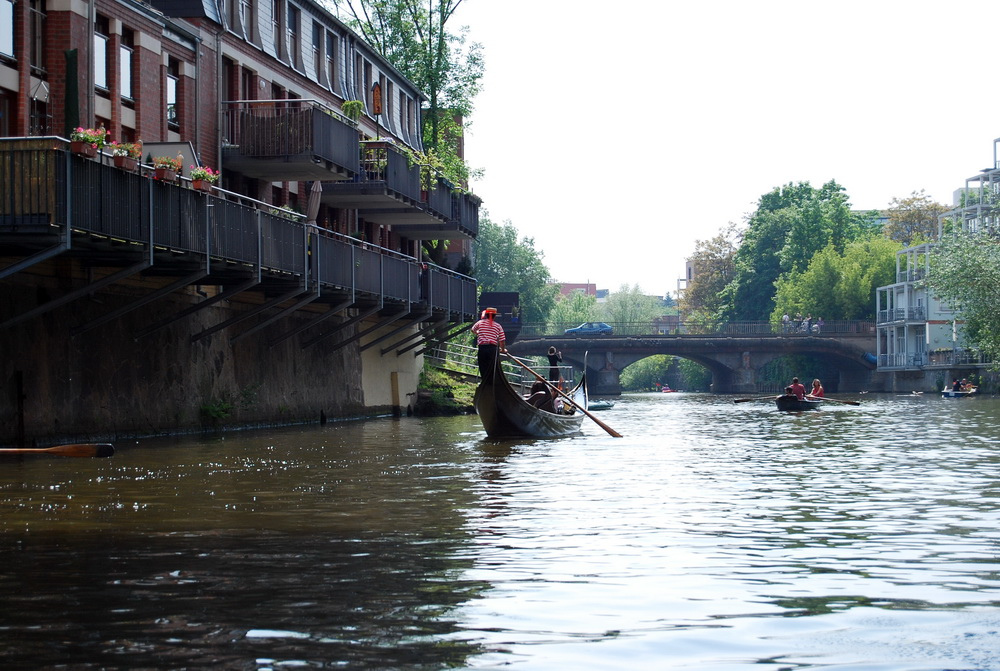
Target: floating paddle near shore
column 565, row 396
column 74, row 450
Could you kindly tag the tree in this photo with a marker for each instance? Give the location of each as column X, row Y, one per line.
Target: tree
column 645, row 373
column 413, row 36
column 913, row 219
column 790, row 225
column 965, row 272
column 712, row 266
column 839, row 285
column 630, row 305
column 503, row 263
column 576, row 308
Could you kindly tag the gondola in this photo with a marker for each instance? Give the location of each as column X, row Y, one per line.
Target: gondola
column 505, row 413
column 792, row 403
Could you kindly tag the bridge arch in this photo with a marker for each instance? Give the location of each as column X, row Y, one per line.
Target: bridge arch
column 734, row 362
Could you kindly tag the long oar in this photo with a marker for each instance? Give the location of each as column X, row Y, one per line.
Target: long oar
column 825, row 398
column 759, row 398
column 77, row 450
column 563, row 394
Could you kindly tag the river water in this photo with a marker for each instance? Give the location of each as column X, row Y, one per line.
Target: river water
column 713, row 535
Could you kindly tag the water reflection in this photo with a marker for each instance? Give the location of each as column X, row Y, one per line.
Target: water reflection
column 712, row 535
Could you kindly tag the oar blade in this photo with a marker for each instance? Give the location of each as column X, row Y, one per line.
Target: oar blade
column 72, row 450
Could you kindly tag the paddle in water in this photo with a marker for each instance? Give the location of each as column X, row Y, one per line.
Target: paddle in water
column 74, row 450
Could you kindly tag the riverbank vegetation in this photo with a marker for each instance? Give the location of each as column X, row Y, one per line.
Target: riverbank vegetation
column 439, row 393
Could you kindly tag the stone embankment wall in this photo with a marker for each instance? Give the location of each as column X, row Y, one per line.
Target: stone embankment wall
column 104, row 384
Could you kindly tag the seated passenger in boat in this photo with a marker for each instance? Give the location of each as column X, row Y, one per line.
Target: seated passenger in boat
column 541, row 397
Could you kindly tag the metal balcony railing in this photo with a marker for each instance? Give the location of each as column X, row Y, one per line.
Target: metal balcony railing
column 50, row 194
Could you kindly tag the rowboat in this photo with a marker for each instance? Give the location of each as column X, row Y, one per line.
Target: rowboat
column 601, row 404
column 504, row 412
column 793, row 403
column 951, row 393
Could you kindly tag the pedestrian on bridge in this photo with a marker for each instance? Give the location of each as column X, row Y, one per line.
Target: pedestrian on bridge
column 555, row 358
column 491, row 340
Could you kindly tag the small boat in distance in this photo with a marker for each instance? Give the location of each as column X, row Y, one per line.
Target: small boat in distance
column 951, row 393
column 787, row 402
column 505, row 413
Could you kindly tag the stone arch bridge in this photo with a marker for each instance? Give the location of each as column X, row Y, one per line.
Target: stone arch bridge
column 734, row 361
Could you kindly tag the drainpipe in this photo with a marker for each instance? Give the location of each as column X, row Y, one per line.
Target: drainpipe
column 91, row 20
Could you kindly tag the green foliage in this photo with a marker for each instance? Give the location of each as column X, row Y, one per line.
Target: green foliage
column 712, row 264
column 965, row 272
column 790, row 225
column 645, row 373
column 447, row 394
column 630, row 305
column 352, row 109
column 576, row 308
column 694, row 376
column 504, row 263
column 914, row 219
column 216, row 410
column 413, row 36
column 838, row 285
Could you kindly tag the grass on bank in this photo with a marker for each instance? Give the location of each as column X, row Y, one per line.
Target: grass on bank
column 439, row 393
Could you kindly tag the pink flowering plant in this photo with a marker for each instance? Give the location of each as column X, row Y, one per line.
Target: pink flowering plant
column 168, row 163
column 92, row 136
column 203, row 172
column 130, row 149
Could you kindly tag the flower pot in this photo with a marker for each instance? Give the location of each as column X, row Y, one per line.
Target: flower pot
column 201, row 185
column 165, row 174
column 83, row 148
column 126, row 162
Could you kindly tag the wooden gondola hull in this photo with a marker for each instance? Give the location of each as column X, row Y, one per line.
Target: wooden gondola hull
column 504, row 413
column 792, row 403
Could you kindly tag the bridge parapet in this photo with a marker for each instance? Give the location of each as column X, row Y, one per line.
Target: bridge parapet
column 842, row 327
column 733, row 360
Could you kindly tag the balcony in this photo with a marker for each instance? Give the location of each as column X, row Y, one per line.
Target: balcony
column 388, row 190
column 58, row 205
column 914, row 314
column 288, row 140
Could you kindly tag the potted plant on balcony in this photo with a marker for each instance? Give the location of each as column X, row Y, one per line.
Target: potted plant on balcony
column 166, row 168
column 126, row 154
column 86, row 141
column 352, row 109
column 203, row 177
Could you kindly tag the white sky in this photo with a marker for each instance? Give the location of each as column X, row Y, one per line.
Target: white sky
column 618, row 134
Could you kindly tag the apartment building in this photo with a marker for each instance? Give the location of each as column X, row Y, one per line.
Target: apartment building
column 920, row 337
column 307, row 251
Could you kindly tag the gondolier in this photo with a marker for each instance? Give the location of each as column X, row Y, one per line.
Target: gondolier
column 490, row 339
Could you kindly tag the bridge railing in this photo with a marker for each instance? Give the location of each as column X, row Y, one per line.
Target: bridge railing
column 739, row 328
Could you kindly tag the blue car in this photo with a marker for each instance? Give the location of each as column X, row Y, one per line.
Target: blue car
column 590, row 328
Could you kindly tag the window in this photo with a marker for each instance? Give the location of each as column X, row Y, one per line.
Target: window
column 101, row 42
column 331, row 60
column 317, row 51
column 125, row 54
column 173, row 80
column 247, row 19
column 276, row 28
column 7, row 28
column 292, row 44
column 36, row 45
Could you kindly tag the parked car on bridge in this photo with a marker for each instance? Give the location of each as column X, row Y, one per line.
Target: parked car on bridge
column 590, row 328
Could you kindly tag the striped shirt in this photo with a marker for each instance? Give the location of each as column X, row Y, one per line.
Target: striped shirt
column 488, row 332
